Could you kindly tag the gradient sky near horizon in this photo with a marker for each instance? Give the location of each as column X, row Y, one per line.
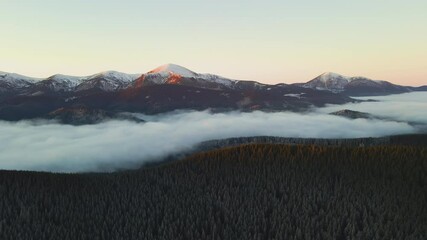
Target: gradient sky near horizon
column 270, row 41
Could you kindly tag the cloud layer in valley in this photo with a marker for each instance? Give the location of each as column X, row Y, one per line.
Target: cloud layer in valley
column 48, row 146
column 409, row 107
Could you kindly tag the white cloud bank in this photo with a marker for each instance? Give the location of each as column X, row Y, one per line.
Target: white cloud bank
column 121, row 144
column 409, row 107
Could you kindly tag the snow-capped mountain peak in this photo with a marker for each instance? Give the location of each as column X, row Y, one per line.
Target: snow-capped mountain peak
column 107, row 81
column 329, row 81
column 10, row 77
column 174, row 69
column 114, row 75
column 71, row 80
column 356, row 86
column 175, row 74
column 327, row 76
column 15, row 81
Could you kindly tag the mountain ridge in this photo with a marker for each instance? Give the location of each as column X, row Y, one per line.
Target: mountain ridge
column 166, row 88
column 356, row 86
column 176, row 74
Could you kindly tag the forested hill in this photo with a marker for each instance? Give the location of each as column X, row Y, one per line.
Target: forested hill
column 264, row 191
column 401, row 140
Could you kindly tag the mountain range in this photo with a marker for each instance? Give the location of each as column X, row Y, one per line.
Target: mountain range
column 171, row 87
column 356, row 86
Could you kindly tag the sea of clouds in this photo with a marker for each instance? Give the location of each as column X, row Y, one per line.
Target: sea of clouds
column 49, row 146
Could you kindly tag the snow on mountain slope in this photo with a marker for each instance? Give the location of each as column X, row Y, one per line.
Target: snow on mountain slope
column 325, row 77
column 329, row 81
column 353, row 86
column 13, row 80
column 175, row 74
column 218, row 79
column 107, row 81
column 114, row 75
column 173, row 68
column 60, row 82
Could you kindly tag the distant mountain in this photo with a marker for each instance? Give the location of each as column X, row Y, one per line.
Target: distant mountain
column 166, row 88
column 11, row 82
column 177, row 75
column 171, row 74
column 106, row 81
column 420, row 89
column 356, row 86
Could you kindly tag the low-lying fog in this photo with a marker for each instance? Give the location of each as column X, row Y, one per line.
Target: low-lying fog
column 409, row 107
column 48, row 146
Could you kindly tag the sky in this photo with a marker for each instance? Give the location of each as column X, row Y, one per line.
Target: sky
column 270, row 41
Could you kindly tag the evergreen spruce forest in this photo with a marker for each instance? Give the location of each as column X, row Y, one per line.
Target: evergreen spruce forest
column 255, row 191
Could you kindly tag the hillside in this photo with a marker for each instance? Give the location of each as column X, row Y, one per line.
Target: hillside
column 264, row 191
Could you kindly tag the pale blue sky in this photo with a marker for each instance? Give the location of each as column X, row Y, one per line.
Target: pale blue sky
column 268, row 41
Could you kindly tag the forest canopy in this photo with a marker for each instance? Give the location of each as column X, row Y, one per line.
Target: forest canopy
column 257, row 191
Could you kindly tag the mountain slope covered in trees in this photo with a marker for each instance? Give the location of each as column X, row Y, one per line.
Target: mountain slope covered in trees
column 258, row 191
